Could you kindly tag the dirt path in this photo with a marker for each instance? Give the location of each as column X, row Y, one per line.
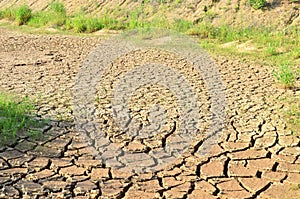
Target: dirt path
column 256, row 156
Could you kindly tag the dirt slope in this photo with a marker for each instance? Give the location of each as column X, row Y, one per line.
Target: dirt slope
column 235, row 12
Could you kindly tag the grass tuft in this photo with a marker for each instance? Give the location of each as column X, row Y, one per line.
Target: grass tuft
column 258, row 4
column 93, row 25
column 57, row 7
column 16, row 116
column 23, row 15
column 8, row 14
column 286, row 76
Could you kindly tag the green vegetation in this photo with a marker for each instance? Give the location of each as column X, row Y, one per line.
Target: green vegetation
column 16, row 117
column 286, row 76
column 292, row 112
column 258, row 4
column 82, row 24
column 55, row 16
column 20, row 15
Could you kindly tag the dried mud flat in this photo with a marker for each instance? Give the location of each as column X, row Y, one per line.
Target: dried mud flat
column 256, row 156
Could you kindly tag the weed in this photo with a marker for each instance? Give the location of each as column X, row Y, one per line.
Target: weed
column 161, row 22
column 93, row 24
column 270, row 51
column 81, row 24
column 23, row 15
column 111, row 23
column 9, row 13
column 16, row 116
column 133, row 22
column 39, row 19
column 295, row 53
column 258, row 4
column 292, row 113
column 2, row 14
column 286, row 76
column 57, row 7
column 182, row 25
column 57, row 14
column 78, row 23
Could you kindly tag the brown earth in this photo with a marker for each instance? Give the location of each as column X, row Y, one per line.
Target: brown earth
column 277, row 13
column 255, row 157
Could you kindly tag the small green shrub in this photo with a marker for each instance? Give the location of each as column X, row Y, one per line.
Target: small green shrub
column 39, row 19
column 133, row 21
column 77, row 24
column 9, row 13
column 286, row 76
column 93, row 24
column 1, row 14
column 182, row 25
column 58, row 8
column 270, row 51
column 111, row 23
column 23, row 15
column 258, row 4
column 68, row 24
column 15, row 115
column 57, row 14
column 202, row 30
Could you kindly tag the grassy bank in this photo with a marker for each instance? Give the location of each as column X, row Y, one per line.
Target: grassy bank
column 280, row 48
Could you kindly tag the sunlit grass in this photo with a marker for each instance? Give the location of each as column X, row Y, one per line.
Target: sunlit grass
column 16, row 116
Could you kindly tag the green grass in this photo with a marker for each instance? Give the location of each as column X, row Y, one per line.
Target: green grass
column 54, row 16
column 286, row 76
column 22, row 15
column 57, row 7
column 16, row 117
column 8, row 14
column 39, row 19
column 257, row 4
column 292, row 112
column 81, row 24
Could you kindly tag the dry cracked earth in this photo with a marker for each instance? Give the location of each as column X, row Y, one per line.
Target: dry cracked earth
column 255, row 156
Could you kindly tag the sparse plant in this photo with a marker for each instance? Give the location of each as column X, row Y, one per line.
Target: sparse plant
column 182, row 25
column 39, row 19
column 15, row 116
column 93, row 24
column 286, row 76
column 78, row 23
column 57, row 7
column 258, row 4
column 57, row 14
column 23, row 15
column 9, row 13
column 2, row 14
column 271, row 51
column 111, row 23
column 133, row 22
